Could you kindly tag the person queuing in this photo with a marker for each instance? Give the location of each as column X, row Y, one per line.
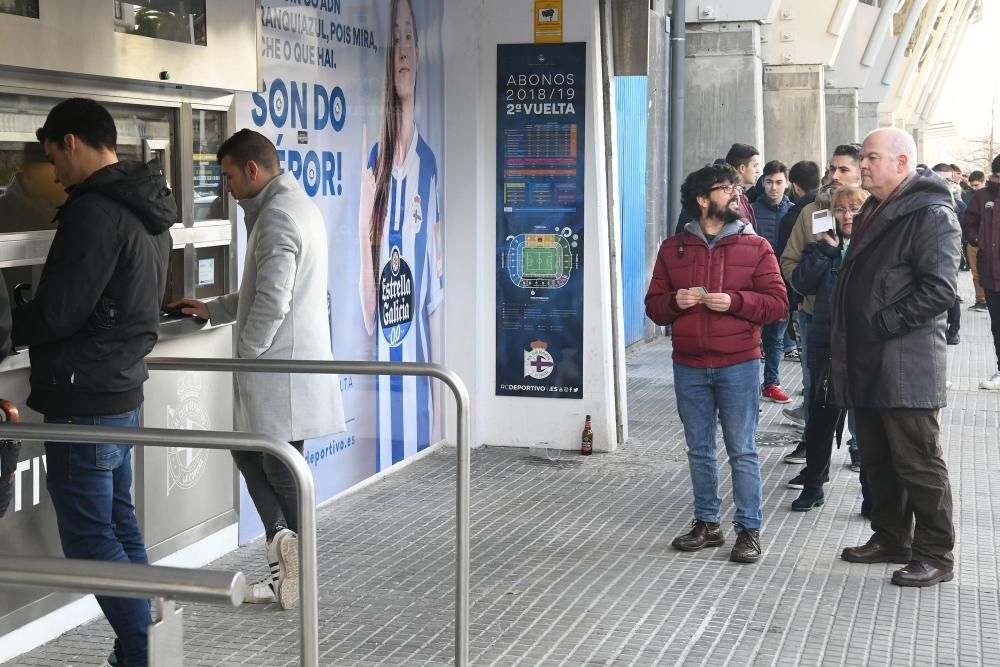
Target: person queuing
column 889, row 356
column 280, row 313
column 954, row 323
column 816, row 276
column 94, row 317
column 719, row 277
column 844, row 169
column 769, row 210
column 981, row 225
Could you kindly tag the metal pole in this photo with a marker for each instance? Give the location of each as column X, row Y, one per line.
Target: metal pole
column 162, row 437
column 675, row 172
column 463, row 444
column 129, row 580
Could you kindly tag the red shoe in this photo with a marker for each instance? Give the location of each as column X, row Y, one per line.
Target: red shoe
column 775, row 395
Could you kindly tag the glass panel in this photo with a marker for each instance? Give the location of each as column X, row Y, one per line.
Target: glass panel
column 27, row 8
column 209, row 131
column 212, row 264
column 29, row 194
column 172, row 20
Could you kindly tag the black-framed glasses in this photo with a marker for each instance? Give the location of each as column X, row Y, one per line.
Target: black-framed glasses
column 728, row 188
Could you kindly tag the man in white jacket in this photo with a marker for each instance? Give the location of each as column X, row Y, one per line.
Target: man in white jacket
column 280, row 313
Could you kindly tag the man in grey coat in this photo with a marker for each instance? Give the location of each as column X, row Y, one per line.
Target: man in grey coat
column 889, row 356
column 280, row 313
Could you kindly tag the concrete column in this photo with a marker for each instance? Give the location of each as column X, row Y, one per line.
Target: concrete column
column 841, row 117
column 724, row 99
column 867, row 118
column 794, row 113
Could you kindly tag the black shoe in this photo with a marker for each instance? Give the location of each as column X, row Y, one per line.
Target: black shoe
column 919, row 574
column 953, row 338
column 811, row 496
column 874, row 551
column 796, row 482
column 798, row 455
column 979, row 306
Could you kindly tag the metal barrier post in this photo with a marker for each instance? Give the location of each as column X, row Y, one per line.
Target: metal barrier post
column 162, row 437
column 463, row 443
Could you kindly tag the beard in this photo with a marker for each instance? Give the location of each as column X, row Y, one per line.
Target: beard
column 723, row 213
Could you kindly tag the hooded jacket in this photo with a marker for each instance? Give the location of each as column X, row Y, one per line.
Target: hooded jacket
column 981, row 224
column 897, row 280
column 96, row 310
column 737, row 262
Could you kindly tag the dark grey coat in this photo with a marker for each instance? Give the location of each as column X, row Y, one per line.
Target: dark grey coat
column 888, row 311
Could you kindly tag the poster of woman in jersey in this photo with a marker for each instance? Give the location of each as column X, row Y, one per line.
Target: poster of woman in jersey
column 401, row 277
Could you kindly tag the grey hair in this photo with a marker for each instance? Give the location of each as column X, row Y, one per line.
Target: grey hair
column 898, row 142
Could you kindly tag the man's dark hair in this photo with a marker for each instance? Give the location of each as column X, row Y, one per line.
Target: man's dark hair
column 805, row 174
column 83, row 118
column 996, row 165
column 700, row 183
column 740, row 155
column 852, row 151
column 775, row 167
column 248, row 145
column 941, row 167
column 977, row 176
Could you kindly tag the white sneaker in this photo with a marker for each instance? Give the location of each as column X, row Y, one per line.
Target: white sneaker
column 992, row 384
column 286, row 586
column 262, row 591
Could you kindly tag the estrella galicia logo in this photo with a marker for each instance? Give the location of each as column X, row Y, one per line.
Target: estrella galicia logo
column 395, row 299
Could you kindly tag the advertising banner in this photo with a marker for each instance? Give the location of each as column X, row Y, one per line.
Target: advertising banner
column 540, row 193
column 352, row 96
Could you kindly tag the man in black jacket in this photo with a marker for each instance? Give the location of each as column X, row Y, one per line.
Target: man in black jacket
column 889, row 357
column 93, row 319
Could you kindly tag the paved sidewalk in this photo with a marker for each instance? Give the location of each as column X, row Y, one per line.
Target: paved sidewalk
column 571, row 563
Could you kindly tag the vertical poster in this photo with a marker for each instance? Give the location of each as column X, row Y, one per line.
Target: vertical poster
column 353, row 98
column 540, row 193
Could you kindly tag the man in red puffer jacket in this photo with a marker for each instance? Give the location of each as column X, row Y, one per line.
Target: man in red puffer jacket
column 716, row 284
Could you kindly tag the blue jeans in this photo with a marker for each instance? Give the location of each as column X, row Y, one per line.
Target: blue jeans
column 804, row 320
column 790, row 343
column 730, row 395
column 774, row 349
column 91, row 490
column 852, row 444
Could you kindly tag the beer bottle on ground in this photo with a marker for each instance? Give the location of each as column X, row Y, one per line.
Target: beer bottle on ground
column 587, row 439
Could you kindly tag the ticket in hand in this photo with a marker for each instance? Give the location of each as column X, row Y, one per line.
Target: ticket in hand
column 701, row 291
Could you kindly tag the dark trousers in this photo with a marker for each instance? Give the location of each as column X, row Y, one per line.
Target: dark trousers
column 955, row 317
column 272, row 489
column 993, row 305
column 821, row 427
column 905, row 467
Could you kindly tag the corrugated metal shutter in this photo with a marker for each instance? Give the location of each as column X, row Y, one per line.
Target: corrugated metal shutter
column 630, row 105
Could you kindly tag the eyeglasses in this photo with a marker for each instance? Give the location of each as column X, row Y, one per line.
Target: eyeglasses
column 728, row 188
column 852, row 211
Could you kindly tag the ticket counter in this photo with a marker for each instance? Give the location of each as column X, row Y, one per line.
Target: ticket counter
column 168, row 78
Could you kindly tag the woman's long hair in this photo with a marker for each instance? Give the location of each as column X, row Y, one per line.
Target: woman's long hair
column 387, row 139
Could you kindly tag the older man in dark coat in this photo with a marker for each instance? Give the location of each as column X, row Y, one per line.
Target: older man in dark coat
column 889, row 356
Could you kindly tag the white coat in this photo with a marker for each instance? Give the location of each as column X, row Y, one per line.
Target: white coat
column 281, row 313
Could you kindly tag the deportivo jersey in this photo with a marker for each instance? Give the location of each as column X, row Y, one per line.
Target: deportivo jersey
column 409, row 290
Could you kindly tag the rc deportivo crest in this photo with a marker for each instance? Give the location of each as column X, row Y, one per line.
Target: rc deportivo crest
column 415, row 212
column 184, row 464
column 538, row 363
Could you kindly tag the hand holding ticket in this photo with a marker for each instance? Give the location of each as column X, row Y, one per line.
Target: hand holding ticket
column 822, row 221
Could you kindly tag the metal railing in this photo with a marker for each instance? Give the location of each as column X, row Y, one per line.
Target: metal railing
column 124, row 580
column 463, row 437
column 162, row 437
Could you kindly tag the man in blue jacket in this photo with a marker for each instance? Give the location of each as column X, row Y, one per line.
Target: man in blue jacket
column 769, row 210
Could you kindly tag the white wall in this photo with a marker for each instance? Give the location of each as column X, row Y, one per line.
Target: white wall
column 472, row 32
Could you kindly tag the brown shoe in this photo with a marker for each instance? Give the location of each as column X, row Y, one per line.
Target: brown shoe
column 702, row 535
column 920, row 573
column 875, row 552
column 747, row 547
